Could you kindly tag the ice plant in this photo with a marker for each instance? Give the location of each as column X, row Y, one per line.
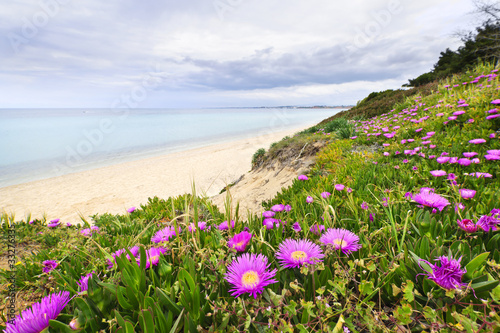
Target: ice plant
column 341, row 239
column 83, row 283
column 448, row 274
column 488, row 222
column 438, row 173
column 53, row 223
column 278, row 208
column 477, row 141
column 309, row 199
column 36, row 318
column 325, row 195
column 250, row 274
column 430, row 199
column 296, row 227
column 49, row 266
column 466, row 193
column 467, row 225
column 339, row 187
column 268, row 213
column 317, row 229
column 225, row 225
column 240, row 241
column 302, row 177
column 131, row 209
column 293, row 253
column 165, row 234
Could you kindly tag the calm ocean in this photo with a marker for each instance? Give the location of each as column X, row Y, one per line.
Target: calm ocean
column 42, row 143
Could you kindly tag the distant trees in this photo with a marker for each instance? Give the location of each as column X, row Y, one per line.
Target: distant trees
column 483, row 44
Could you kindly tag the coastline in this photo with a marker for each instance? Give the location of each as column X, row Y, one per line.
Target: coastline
column 113, row 189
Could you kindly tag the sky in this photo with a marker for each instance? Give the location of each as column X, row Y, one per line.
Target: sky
column 218, row 53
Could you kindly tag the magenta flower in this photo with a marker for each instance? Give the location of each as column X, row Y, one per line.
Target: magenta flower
column 493, row 116
column 491, row 157
column 448, row 274
column 466, row 193
column 493, row 152
column 134, row 250
column 49, row 266
column 165, row 234
column 302, row 177
column 488, row 222
column 339, row 187
column 225, row 225
column 469, row 154
column 464, row 162
column 438, row 173
column 341, row 239
column 317, row 229
column 36, row 318
column 309, row 199
column 54, row 223
column 288, row 208
column 278, row 208
column 296, row 227
column 325, row 195
column 364, row 205
column 202, row 225
column 467, row 225
column 458, row 113
column 477, row 141
column 429, row 199
column 240, row 241
column 249, row 274
column 152, row 256
column 131, row 209
column 83, row 283
column 268, row 213
column 294, row 253
column 495, row 101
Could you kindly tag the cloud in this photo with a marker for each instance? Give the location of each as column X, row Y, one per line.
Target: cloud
column 87, row 53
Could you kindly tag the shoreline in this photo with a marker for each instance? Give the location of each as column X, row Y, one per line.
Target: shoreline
column 112, row 189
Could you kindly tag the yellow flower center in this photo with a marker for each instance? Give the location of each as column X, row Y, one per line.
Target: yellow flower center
column 340, row 243
column 240, row 243
column 250, row 278
column 298, row 255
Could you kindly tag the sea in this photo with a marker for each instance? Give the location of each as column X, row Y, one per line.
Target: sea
column 43, row 143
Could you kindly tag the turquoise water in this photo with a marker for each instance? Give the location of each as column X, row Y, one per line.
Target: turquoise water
column 43, row 143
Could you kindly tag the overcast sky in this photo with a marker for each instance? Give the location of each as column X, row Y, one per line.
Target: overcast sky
column 209, row 53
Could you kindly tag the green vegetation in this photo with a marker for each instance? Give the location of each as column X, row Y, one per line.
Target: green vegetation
column 385, row 285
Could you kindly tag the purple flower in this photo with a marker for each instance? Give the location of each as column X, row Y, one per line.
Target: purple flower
column 438, row 173
column 467, row 225
column 488, row 222
column 53, row 223
column 288, row 208
column 83, row 283
column 309, row 199
column 302, row 177
column 477, row 141
column 296, row 227
column 278, row 208
column 493, row 152
column 469, row 154
column 36, row 318
column 317, row 229
column 295, row 253
column 429, row 199
column 49, row 266
column 451, row 176
column 249, row 273
column 493, row 116
column 371, row 217
column 325, row 195
column 414, row 168
column 490, row 157
column 268, row 213
column 448, row 274
column 364, row 205
column 131, row 209
column 339, row 187
column 495, row 101
column 165, row 234
column 134, row 250
column 341, row 239
column 464, row 162
column 458, row 113
column 225, row 225
column 87, row 232
column 269, row 222
column 466, row 193
column 202, row 225
column 240, row 241
column 152, row 257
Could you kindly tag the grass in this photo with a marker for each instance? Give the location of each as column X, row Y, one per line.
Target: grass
column 382, row 287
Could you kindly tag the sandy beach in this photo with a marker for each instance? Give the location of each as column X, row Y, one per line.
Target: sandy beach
column 115, row 188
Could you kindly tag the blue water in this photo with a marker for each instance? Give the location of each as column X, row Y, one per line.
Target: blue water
column 43, row 143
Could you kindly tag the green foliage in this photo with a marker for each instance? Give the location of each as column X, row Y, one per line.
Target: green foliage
column 382, row 287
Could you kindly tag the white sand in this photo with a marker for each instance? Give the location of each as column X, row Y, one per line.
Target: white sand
column 115, row 188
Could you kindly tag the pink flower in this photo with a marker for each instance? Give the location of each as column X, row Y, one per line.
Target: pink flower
column 467, row 225
column 496, row 101
column 325, row 195
column 339, row 187
column 438, row 173
column 302, row 177
column 131, row 209
column 309, row 199
column 466, row 193
column 477, row 141
column 464, row 162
